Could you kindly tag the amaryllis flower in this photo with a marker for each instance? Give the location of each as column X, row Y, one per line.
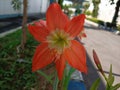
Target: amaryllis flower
column 56, row 35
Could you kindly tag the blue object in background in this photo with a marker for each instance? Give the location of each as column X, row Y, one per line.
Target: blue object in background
column 76, row 85
column 51, row 1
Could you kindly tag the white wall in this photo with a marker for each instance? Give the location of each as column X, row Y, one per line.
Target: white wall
column 45, row 5
column 6, row 7
column 34, row 6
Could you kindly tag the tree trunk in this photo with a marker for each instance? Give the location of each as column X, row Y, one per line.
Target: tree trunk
column 116, row 13
column 24, row 24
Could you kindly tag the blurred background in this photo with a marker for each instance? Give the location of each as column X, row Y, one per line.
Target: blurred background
column 17, row 46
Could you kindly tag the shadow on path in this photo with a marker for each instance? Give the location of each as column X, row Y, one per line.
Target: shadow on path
column 92, row 27
column 92, row 75
column 115, row 74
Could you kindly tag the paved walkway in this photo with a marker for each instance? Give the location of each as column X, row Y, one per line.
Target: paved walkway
column 107, row 46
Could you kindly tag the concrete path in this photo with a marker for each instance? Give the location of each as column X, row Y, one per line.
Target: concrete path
column 107, row 46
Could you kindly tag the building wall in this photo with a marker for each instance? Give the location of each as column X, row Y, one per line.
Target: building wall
column 34, row 6
column 6, row 7
column 45, row 5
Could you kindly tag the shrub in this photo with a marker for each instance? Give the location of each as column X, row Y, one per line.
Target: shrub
column 88, row 13
column 95, row 20
column 118, row 27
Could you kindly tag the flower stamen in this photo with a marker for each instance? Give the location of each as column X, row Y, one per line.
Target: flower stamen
column 58, row 40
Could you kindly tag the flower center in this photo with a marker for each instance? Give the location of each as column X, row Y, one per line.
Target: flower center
column 58, row 40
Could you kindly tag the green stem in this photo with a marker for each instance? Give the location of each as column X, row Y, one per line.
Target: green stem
column 106, row 80
column 56, row 81
column 64, row 82
column 67, row 76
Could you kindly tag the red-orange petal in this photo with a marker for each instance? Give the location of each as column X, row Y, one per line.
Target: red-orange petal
column 76, row 56
column 60, row 65
column 56, row 19
column 39, row 32
column 41, row 23
column 42, row 57
column 75, row 26
column 84, row 35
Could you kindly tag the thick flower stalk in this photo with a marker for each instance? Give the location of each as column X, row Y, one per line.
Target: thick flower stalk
column 56, row 35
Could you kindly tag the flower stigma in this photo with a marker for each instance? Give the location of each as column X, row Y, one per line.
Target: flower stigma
column 59, row 40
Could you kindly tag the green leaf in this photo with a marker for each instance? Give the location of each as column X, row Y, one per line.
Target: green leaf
column 95, row 84
column 68, row 77
column 71, row 71
column 116, row 86
column 110, row 77
column 1, row 83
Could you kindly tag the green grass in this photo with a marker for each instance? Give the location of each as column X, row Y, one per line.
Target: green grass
column 95, row 20
column 15, row 75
